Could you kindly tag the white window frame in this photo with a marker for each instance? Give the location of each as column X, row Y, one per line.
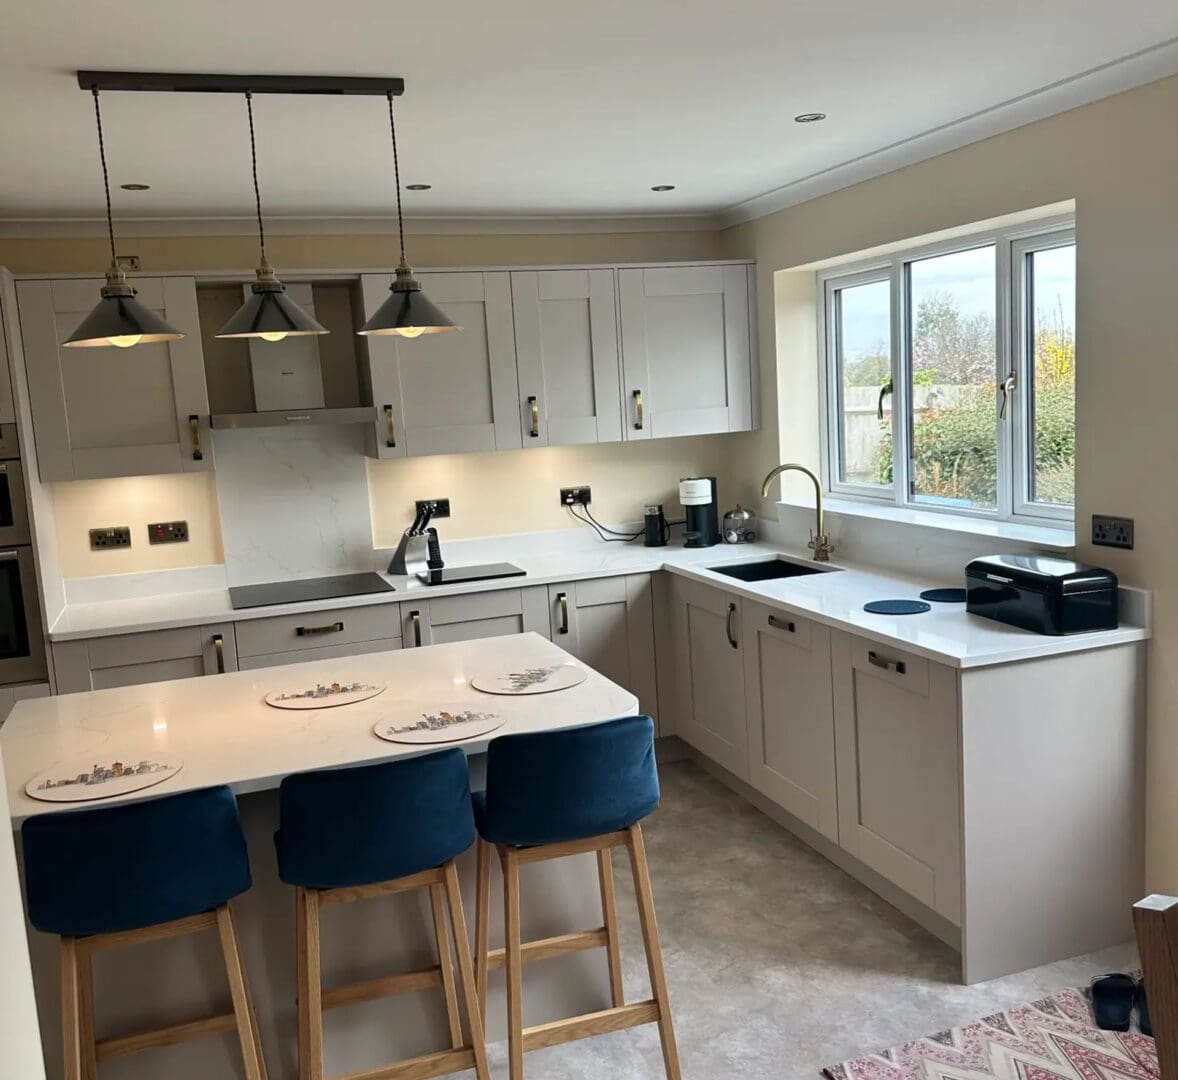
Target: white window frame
column 1013, row 353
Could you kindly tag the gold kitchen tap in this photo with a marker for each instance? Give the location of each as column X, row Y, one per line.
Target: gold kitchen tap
column 819, row 541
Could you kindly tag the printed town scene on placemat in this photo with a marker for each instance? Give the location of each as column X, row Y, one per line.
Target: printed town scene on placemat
column 324, row 695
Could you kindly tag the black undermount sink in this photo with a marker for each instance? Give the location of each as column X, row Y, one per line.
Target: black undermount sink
column 769, row 570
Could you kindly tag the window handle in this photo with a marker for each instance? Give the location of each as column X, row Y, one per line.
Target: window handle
column 1008, row 388
column 887, row 388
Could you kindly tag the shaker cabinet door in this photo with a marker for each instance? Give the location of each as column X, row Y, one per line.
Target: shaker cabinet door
column 897, row 731
column 687, row 357
column 448, row 393
column 791, row 714
column 566, row 337
column 107, row 411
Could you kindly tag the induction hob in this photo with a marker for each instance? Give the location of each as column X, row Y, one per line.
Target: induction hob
column 304, row 589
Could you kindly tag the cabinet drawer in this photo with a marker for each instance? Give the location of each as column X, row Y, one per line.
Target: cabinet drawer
column 122, row 650
column 317, row 629
column 610, row 590
column 327, row 652
column 902, row 669
column 479, row 606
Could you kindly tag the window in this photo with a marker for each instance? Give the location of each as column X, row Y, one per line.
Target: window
column 950, row 376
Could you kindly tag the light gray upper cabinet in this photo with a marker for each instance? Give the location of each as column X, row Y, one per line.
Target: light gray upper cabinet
column 479, row 615
column 710, row 711
column 100, row 412
column 609, row 624
column 899, row 758
column 687, row 355
column 791, row 714
column 566, row 340
column 447, row 393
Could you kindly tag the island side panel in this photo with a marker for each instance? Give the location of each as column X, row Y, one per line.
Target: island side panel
column 1053, row 773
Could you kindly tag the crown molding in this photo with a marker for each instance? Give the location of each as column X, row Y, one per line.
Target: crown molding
column 1156, row 62
column 74, row 228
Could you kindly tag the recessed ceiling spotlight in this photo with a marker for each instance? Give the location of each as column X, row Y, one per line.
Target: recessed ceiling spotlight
column 418, row 187
column 663, row 187
column 135, row 187
column 809, row 117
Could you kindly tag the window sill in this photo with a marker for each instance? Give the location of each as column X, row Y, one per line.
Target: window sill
column 1062, row 538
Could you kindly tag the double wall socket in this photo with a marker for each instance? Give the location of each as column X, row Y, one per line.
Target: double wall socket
column 575, row 496
column 1112, row 531
column 117, row 536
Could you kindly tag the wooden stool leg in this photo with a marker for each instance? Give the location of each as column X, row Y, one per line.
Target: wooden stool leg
column 466, row 973
column 71, row 1020
column 482, row 922
column 310, row 985
column 1156, row 921
column 86, row 1015
column 654, row 951
column 247, row 1032
column 509, row 860
column 609, row 912
column 435, row 901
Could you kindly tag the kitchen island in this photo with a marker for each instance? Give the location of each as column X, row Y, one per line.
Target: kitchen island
column 226, row 734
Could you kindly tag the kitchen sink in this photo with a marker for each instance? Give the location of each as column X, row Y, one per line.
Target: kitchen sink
column 769, row 570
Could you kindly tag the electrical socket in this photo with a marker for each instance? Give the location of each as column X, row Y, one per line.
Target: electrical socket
column 117, row 536
column 1112, row 531
column 575, row 496
column 440, row 507
column 167, row 532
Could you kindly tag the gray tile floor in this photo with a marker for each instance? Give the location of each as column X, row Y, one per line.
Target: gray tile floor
column 778, row 962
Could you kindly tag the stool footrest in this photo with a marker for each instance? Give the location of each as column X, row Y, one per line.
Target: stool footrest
column 387, row 986
column 550, row 947
column 165, row 1036
column 598, row 1023
column 418, row 1068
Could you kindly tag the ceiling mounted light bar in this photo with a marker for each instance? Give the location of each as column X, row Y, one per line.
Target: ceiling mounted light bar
column 155, row 82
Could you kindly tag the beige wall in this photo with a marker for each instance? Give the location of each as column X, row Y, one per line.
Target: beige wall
column 491, row 494
column 1118, row 158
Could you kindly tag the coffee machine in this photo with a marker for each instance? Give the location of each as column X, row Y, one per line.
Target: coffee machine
column 698, row 496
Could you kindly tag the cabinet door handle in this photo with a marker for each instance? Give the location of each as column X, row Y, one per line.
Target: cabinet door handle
column 194, row 426
column 875, row 660
column 728, row 627
column 391, row 435
column 416, row 617
column 563, row 600
column 534, row 405
column 311, row 631
column 782, row 624
column 638, row 412
column 219, row 648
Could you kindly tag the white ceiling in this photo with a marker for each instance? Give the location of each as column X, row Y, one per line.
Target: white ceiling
column 527, row 107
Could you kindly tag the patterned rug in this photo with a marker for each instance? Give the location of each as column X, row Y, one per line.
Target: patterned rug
column 1053, row 1039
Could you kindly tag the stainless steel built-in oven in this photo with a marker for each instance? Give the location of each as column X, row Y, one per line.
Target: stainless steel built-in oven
column 14, row 513
column 22, row 643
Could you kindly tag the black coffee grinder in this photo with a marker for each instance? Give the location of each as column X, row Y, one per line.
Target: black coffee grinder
column 655, row 524
column 698, row 496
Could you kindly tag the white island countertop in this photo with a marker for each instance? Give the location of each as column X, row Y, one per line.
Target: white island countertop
column 947, row 634
column 226, row 734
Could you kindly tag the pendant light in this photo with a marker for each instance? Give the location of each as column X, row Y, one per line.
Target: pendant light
column 269, row 314
column 119, row 319
column 407, row 312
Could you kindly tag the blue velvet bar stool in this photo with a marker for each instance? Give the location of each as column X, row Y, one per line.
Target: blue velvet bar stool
column 129, row 874
column 557, row 793
column 358, row 833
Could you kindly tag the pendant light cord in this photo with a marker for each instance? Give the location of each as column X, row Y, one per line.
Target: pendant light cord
column 249, row 108
column 110, row 220
column 397, row 176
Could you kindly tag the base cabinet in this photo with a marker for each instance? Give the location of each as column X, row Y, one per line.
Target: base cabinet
column 899, row 761
column 710, row 711
column 481, row 615
column 787, row 682
column 609, row 624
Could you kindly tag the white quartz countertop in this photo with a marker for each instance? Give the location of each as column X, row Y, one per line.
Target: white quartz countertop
column 946, row 634
column 226, row 734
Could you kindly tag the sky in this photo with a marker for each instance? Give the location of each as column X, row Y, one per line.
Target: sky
column 969, row 277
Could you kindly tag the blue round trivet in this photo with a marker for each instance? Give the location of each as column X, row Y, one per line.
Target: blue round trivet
column 897, row 607
column 944, row 596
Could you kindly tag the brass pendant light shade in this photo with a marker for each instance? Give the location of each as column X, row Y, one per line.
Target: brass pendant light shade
column 407, row 312
column 118, row 319
column 269, row 314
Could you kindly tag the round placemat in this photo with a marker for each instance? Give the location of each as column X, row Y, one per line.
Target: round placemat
column 438, row 724
column 323, row 695
column 542, row 679
column 944, row 596
column 102, row 775
column 897, row 607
